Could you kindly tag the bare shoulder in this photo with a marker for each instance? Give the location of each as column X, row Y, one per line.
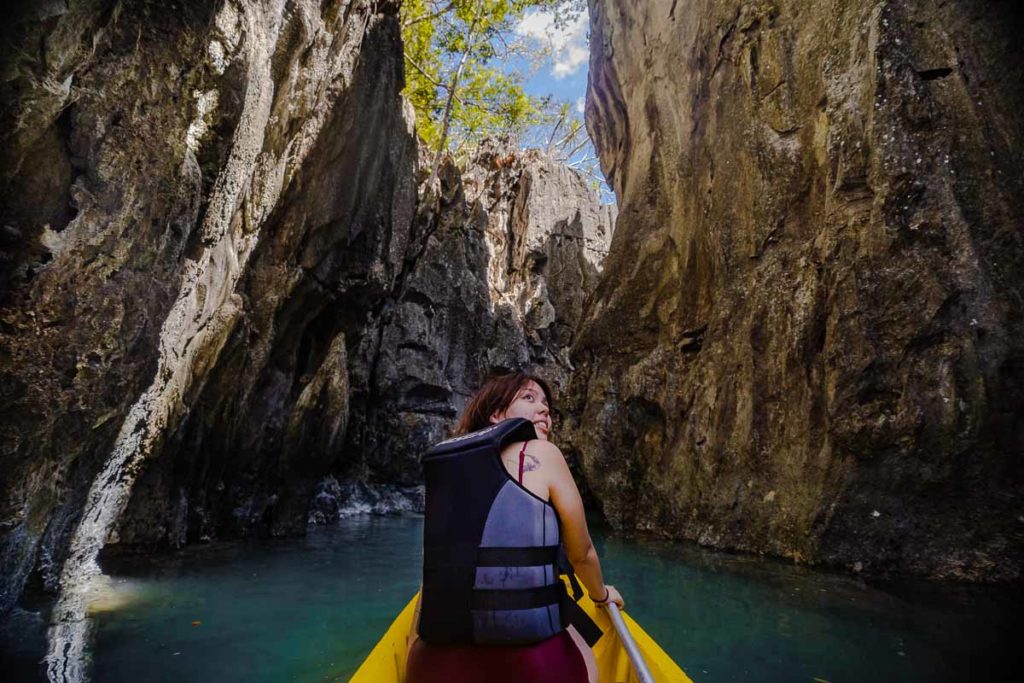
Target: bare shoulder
column 539, row 454
column 545, row 449
column 538, row 447
column 547, row 453
column 542, row 457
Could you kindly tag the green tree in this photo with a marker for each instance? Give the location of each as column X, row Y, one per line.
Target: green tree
column 455, row 51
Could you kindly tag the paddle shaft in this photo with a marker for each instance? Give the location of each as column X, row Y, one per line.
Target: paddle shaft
column 639, row 665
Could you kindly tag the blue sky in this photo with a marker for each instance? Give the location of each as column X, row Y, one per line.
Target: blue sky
column 560, row 70
column 564, row 70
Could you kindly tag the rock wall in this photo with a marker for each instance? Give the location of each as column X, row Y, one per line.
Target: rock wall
column 148, row 192
column 365, row 374
column 271, row 417
column 224, row 290
column 547, row 234
column 807, row 340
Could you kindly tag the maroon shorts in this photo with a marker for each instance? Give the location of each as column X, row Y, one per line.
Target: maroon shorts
column 554, row 659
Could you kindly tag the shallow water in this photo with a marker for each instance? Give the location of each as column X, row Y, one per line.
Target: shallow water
column 310, row 609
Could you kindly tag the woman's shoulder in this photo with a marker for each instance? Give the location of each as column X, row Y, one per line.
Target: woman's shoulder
column 546, row 452
column 544, row 448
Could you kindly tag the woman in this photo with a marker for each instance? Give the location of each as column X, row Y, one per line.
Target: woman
column 539, row 487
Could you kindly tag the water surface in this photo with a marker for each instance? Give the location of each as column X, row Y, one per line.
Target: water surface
column 310, row 609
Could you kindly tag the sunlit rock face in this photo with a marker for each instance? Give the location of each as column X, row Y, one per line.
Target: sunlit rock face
column 808, row 336
column 178, row 179
column 505, row 256
column 547, row 235
column 271, row 417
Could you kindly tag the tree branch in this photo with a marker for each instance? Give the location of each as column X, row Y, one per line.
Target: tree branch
column 428, row 17
column 558, row 124
column 577, row 148
column 444, row 86
column 423, row 71
column 451, row 94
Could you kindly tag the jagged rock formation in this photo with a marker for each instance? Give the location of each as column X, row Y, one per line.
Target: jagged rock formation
column 547, row 236
column 808, row 338
column 516, row 233
column 418, row 344
column 222, row 283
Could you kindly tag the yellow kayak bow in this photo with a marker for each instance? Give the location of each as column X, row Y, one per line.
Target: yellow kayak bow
column 386, row 662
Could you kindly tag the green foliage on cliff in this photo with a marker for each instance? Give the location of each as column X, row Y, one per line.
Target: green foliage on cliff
column 456, row 52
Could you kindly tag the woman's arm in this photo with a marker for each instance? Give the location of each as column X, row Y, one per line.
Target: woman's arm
column 575, row 534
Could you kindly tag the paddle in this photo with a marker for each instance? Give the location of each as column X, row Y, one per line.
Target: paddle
column 639, row 665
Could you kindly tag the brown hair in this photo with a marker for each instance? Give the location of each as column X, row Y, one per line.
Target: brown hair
column 497, row 395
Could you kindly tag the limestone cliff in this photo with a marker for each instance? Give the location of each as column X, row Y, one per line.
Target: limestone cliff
column 155, row 158
column 498, row 283
column 547, row 235
column 808, row 338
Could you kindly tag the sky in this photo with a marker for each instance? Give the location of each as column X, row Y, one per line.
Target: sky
column 562, row 71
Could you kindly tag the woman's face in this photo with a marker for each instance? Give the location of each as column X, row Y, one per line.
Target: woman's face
column 529, row 403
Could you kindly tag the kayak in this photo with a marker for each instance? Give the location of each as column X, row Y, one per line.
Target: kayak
column 386, row 662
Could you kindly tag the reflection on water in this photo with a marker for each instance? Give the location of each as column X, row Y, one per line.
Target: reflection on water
column 109, row 594
column 310, row 609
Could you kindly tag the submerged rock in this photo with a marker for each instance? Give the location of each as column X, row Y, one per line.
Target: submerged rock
column 810, row 309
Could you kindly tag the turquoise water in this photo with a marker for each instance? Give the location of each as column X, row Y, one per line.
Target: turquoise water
column 310, row 609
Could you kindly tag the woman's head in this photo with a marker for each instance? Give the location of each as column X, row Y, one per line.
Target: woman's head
column 516, row 394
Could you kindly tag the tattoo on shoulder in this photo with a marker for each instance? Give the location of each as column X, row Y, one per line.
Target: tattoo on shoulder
column 530, row 463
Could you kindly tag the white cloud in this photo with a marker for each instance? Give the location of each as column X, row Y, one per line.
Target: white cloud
column 581, row 105
column 574, row 58
column 568, row 44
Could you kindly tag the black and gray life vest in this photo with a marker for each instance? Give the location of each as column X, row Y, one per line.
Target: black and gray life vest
column 492, row 554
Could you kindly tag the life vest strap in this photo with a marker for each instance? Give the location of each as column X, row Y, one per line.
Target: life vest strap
column 565, row 567
column 533, row 556
column 517, row 598
column 572, row 613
